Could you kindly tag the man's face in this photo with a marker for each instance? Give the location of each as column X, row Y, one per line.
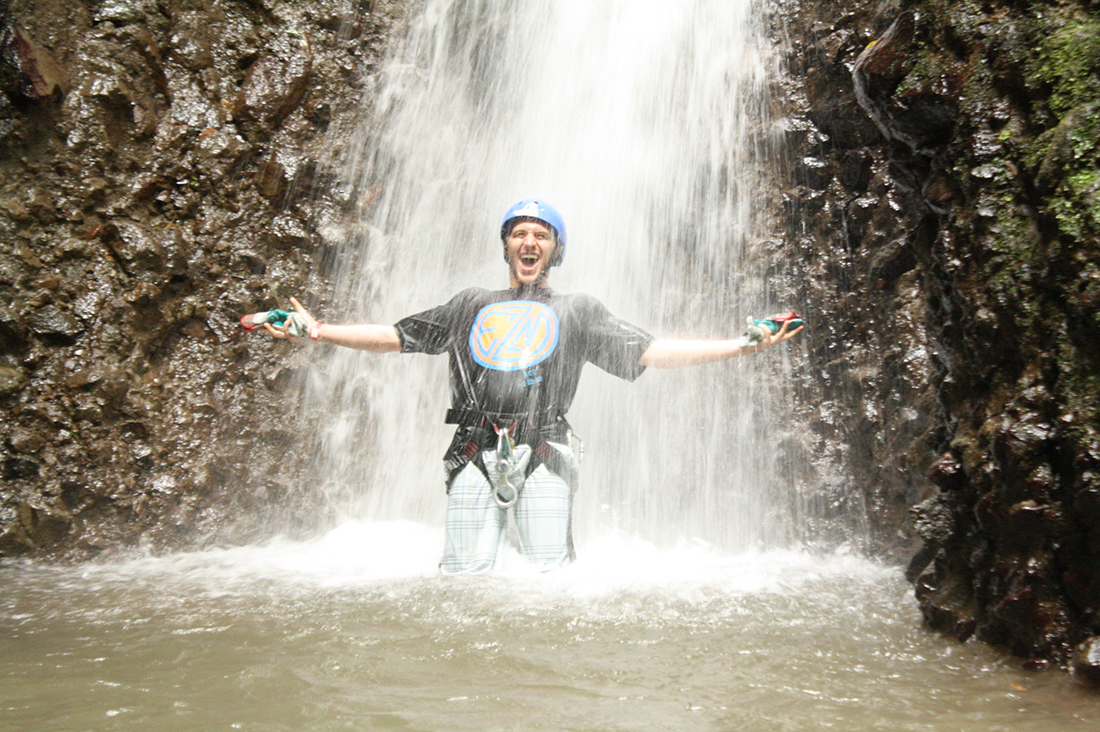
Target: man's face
column 529, row 247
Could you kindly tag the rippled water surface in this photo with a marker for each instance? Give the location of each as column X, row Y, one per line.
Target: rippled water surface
column 357, row 631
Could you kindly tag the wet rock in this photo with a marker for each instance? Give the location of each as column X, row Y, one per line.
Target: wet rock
column 137, row 247
column 845, row 122
column 1085, row 664
column 9, row 119
column 289, row 232
column 126, row 214
column 145, row 295
column 121, row 91
column 816, row 172
column 55, row 326
column 1025, row 519
column 1061, row 147
column 938, row 191
column 14, row 208
column 84, row 378
column 20, row 468
column 11, row 380
column 273, row 86
column 34, row 73
column 1025, row 615
column 13, row 333
column 191, row 44
column 124, row 11
column 318, row 111
column 856, row 169
column 27, row 441
column 901, row 88
column 1020, row 441
column 271, row 179
column 110, row 82
column 934, row 520
column 43, row 527
column 983, row 163
column 946, row 599
column 891, row 261
column 247, row 260
column 881, row 66
column 219, row 152
column 947, row 473
column 1086, row 507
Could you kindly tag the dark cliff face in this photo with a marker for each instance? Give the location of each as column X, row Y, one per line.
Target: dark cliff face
column 944, row 199
column 165, row 170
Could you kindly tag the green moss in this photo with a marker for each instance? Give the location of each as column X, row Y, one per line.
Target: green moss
column 1084, row 184
column 1077, row 205
column 1017, row 255
column 1069, row 61
column 927, row 73
column 1076, row 202
column 1066, row 164
column 1079, row 386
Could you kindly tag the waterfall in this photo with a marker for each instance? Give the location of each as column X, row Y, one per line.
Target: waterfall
column 645, row 123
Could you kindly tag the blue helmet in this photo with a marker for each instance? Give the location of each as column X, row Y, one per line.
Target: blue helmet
column 532, row 208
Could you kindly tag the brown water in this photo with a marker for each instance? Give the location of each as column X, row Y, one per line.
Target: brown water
column 356, row 631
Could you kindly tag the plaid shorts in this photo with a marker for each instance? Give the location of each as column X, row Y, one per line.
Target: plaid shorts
column 477, row 527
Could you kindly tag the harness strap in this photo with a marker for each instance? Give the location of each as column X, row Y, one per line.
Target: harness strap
column 482, row 429
column 475, row 418
column 543, row 454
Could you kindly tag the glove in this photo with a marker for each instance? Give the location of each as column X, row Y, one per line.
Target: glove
column 759, row 329
column 296, row 326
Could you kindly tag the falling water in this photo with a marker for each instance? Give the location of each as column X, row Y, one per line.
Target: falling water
column 642, row 121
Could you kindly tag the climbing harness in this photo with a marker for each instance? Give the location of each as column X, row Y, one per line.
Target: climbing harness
column 509, row 447
column 296, row 324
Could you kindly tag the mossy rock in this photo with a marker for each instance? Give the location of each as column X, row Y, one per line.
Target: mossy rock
column 1068, row 61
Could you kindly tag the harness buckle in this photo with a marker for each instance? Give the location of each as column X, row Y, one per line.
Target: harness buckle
column 509, row 468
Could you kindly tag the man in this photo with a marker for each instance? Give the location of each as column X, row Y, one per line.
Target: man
column 515, row 361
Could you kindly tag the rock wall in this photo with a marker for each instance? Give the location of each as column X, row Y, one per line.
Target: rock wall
column 164, row 170
column 846, row 218
column 943, row 204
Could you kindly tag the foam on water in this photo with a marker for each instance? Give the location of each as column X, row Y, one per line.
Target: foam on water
column 357, row 630
column 385, row 555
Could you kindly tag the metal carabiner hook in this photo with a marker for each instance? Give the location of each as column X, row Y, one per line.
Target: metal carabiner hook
column 505, row 493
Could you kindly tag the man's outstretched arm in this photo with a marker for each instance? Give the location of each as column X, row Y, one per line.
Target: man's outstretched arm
column 673, row 353
column 364, row 336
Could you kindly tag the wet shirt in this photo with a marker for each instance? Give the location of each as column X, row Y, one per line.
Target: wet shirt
column 521, row 351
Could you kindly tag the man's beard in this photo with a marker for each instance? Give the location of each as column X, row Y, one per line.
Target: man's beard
column 543, row 274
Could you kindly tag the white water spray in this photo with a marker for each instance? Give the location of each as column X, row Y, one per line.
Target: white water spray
column 642, row 122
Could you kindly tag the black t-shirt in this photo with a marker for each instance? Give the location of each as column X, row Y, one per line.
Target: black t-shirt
column 520, row 351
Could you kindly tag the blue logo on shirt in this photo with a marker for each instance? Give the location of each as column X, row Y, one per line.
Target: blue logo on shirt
column 514, row 335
